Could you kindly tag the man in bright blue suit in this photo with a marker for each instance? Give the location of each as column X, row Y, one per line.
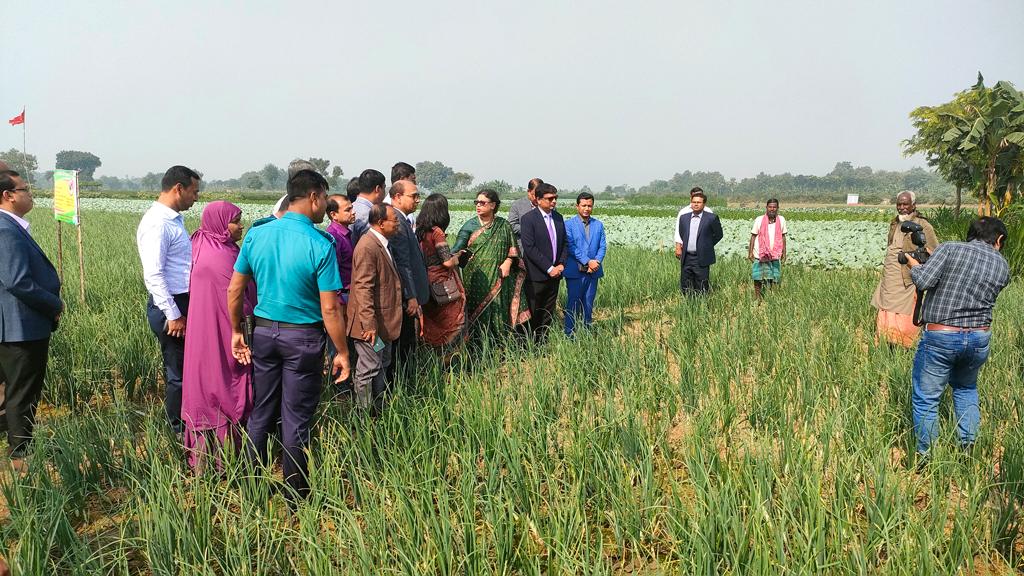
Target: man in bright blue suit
column 584, row 266
column 30, row 307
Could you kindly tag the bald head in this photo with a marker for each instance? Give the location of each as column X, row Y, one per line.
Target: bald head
column 4, row 167
column 400, row 188
column 405, row 196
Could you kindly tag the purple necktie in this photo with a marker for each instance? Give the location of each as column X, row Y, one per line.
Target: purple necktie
column 551, row 235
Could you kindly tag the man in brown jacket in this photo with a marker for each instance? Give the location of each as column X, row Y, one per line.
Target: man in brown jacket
column 374, row 306
column 896, row 294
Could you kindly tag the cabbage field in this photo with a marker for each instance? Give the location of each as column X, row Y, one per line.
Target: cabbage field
column 714, row 435
column 822, row 244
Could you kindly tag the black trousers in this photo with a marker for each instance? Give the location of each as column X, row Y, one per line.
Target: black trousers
column 403, row 361
column 24, row 367
column 693, row 278
column 173, row 352
column 543, row 297
column 3, row 402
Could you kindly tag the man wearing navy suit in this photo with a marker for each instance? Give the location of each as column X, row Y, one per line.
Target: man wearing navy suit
column 699, row 231
column 542, row 232
column 30, row 308
column 405, row 249
column 587, row 246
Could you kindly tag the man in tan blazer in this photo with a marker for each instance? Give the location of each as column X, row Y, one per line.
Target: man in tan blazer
column 374, row 306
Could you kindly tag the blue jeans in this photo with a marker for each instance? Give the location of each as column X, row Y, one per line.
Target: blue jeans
column 953, row 358
column 579, row 301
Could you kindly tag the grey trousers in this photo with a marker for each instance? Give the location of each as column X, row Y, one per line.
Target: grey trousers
column 368, row 381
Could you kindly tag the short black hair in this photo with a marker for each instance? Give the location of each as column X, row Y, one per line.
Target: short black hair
column 490, row 195
column 401, row 171
column 584, row 196
column 352, row 190
column 543, row 189
column 988, row 229
column 378, row 214
column 699, row 194
column 178, row 175
column 305, row 182
column 771, row 201
column 7, row 180
column 695, row 190
column 369, row 180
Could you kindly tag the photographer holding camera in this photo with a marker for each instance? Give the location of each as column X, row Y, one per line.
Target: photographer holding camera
column 961, row 281
column 896, row 294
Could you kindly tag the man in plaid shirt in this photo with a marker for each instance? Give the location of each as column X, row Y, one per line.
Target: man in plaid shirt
column 962, row 280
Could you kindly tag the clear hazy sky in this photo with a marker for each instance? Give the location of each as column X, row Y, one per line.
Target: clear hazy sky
column 574, row 92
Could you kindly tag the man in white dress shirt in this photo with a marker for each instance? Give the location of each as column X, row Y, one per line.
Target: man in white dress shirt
column 166, row 253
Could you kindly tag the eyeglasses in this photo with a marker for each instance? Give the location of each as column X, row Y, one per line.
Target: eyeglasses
column 482, row 202
column 414, row 196
column 25, row 189
column 550, row 198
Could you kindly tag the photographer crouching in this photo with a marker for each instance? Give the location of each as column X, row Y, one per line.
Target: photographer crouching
column 960, row 283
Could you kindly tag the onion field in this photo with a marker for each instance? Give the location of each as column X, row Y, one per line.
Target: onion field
column 679, row 436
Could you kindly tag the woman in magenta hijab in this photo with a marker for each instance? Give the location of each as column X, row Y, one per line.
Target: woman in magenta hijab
column 216, row 395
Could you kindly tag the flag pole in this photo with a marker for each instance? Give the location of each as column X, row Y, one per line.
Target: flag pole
column 24, row 148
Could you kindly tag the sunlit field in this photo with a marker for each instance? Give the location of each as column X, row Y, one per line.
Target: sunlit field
column 680, row 436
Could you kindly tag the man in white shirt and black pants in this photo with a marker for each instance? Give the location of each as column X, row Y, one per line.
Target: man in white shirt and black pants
column 166, row 253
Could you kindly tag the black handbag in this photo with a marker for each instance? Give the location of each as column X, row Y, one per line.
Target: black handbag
column 445, row 292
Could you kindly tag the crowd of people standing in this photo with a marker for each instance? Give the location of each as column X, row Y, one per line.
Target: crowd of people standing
column 247, row 332
column 243, row 330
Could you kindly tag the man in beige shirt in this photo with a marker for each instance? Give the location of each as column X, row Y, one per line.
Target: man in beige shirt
column 896, row 294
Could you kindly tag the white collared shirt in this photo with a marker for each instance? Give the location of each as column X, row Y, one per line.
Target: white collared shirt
column 21, row 221
column 165, row 250
column 383, row 240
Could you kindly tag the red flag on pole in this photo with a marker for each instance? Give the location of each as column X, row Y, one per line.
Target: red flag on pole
column 19, row 119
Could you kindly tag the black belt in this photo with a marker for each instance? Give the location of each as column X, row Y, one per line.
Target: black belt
column 270, row 323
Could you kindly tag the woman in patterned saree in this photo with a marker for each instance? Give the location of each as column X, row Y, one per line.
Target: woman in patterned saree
column 442, row 323
column 494, row 277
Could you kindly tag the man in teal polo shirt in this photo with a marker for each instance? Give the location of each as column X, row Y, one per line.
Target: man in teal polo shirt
column 296, row 274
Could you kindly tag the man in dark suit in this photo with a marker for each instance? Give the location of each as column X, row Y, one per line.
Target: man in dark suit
column 699, row 231
column 3, row 402
column 30, row 308
column 405, row 197
column 542, row 232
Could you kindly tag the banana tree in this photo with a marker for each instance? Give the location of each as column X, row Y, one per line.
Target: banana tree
column 932, row 123
column 991, row 133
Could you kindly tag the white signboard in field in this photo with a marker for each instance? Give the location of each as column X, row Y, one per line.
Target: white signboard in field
column 853, row 199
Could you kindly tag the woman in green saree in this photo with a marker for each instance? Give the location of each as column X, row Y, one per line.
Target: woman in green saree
column 494, row 278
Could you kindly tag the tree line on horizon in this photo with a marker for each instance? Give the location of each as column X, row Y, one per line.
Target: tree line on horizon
column 871, row 185
column 975, row 142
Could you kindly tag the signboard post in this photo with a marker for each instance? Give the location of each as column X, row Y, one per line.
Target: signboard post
column 66, row 211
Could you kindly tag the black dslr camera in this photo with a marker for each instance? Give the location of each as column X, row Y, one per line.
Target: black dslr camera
column 917, row 237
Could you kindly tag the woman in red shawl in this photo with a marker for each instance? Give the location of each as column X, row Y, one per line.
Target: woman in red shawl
column 216, row 395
